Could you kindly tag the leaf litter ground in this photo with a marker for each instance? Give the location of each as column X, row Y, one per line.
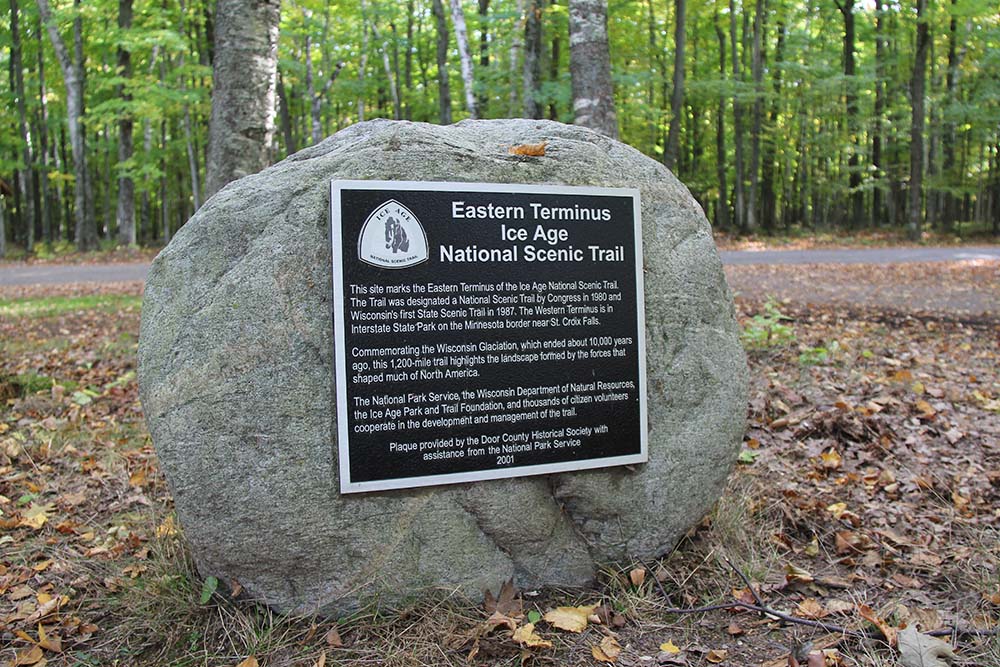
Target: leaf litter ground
column 866, row 501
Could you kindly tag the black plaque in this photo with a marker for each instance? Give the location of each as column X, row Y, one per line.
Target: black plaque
column 485, row 331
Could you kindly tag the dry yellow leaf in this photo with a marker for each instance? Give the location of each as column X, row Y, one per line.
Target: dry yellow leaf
column 608, row 650
column 811, row 608
column 837, row 509
column 795, row 574
column 571, row 619
column 831, row 459
column 637, row 576
column 29, row 656
column 137, row 478
column 36, row 515
column 669, row 647
column 249, row 662
column 167, row 528
column 53, row 644
column 716, row 655
column 527, row 636
column 321, row 662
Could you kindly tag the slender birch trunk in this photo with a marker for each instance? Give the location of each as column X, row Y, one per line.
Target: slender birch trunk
column 465, row 56
column 590, row 66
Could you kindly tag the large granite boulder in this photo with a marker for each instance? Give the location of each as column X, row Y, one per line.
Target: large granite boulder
column 236, row 377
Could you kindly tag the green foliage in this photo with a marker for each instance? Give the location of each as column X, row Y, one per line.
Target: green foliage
column 26, row 384
column 767, row 329
column 58, row 305
column 207, row 589
column 814, row 356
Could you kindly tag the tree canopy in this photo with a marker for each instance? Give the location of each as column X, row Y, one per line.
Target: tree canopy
column 792, row 114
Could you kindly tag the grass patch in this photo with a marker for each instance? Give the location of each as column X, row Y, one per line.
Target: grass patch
column 60, row 305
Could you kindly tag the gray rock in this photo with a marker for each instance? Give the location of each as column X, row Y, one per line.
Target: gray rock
column 237, row 384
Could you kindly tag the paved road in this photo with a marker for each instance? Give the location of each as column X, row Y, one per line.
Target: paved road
column 859, row 256
column 47, row 274
column 50, row 274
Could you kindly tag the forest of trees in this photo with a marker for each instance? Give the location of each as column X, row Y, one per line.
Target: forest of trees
column 779, row 115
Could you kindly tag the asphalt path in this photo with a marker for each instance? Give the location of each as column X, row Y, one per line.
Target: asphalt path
column 50, row 274
column 860, row 255
column 54, row 274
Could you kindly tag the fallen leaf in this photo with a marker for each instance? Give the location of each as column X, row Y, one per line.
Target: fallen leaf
column 36, row 515
column 669, row 647
column 811, row 608
column 29, row 656
column 529, row 150
column 167, row 528
column 527, row 636
column 717, row 655
column 888, row 632
column 831, row 459
column 637, row 576
column 49, row 643
column 497, row 619
column 249, row 662
column 571, row 619
column 505, row 602
column 333, row 639
column 44, row 610
column 137, row 478
column 796, row 575
column 735, row 630
column 919, row 650
column 321, row 662
column 608, row 650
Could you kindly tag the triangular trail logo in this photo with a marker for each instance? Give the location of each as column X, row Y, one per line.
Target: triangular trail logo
column 392, row 238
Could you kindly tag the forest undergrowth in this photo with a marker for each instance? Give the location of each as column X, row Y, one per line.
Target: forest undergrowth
column 864, row 507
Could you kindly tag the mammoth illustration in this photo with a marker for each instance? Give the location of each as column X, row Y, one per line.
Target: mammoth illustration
column 395, row 236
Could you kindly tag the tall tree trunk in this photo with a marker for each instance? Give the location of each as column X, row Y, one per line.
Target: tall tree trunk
column 554, row 73
column 85, row 235
column 243, row 79
column 857, row 196
column 950, row 213
column 408, row 60
column 397, row 111
column 24, row 174
column 739, row 207
column 444, row 85
column 46, row 149
column 590, row 67
column 164, row 200
column 532, row 68
column 879, row 112
column 315, row 125
column 484, row 54
column 126, row 186
column 757, row 72
column 516, row 47
column 917, row 85
column 722, row 208
column 363, row 65
column 189, row 147
column 768, row 198
column 465, row 56
column 3, row 226
column 677, row 96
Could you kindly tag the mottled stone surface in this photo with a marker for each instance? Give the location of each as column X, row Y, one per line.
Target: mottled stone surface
column 237, row 384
